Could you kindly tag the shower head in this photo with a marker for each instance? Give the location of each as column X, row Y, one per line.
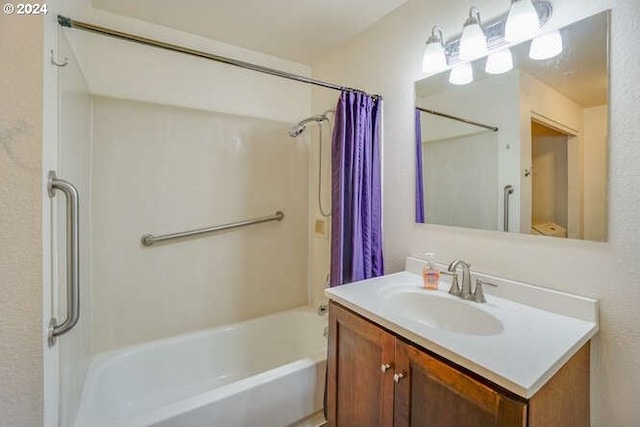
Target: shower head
column 299, row 127
column 296, row 130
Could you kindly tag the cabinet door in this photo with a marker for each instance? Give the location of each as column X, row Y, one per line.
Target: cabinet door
column 359, row 393
column 434, row 394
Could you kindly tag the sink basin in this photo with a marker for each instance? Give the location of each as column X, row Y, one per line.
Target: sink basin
column 442, row 311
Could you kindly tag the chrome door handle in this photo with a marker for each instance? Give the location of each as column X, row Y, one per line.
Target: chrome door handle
column 73, row 270
column 385, row 367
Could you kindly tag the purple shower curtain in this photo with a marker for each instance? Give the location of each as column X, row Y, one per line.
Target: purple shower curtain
column 356, row 225
column 419, row 182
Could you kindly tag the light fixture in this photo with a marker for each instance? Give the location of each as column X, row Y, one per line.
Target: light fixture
column 522, row 21
column 499, row 62
column 461, row 74
column 434, row 58
column 473, row 43
column 546, row 46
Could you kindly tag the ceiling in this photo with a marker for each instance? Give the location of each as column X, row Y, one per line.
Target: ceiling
column 579, row 73
column 298, row 30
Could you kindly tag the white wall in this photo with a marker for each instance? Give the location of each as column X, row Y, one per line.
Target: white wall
column 21, row 189
column 162, row 169
column 387, row 59
column 461, row 180
column 596, row 158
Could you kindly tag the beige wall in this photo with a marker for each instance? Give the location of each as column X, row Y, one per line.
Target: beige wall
column 596, row 158
column 20, row 221
column 387, row 59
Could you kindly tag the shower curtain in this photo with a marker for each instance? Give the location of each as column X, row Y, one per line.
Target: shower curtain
column 356, row 208
column 419, row 185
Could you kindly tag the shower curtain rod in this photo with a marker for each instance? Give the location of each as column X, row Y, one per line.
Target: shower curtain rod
column 459, row 119
column 71, row 23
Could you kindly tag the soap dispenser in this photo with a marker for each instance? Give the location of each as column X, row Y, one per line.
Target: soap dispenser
column 430, row 274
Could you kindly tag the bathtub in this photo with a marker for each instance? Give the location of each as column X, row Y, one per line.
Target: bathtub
column 267, row 371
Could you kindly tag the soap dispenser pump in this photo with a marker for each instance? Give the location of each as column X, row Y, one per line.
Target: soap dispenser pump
column 430, row 274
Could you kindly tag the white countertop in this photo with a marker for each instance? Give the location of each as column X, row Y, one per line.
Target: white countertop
column 532, row 346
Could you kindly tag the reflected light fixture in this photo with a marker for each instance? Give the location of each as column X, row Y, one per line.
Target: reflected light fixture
column 546, row 46
column 434, row 59
column 522, row 21
column 461, row 74
column 473, row 43
column 499, row 62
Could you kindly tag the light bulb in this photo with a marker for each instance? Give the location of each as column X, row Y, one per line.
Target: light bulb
column 499, row 62
column 473, row 43
column 434, row 58
column 522, row 21
column 461, row 74
column 546, row 46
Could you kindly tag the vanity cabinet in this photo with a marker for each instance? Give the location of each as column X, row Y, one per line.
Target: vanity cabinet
column 359, row 388
column 377, row 379
column 432, row 393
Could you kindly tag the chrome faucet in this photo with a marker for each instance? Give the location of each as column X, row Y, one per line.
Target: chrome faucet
column 465, row 292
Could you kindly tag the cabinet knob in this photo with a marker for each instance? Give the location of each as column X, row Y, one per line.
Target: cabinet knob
column 385, row 367
column 397, row 377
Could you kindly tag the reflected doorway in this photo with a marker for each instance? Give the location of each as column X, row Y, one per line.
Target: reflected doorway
column 550, row 180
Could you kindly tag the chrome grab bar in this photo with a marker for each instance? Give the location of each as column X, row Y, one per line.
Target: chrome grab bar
column 508, row 190
column 73, row 269
column 149, row 239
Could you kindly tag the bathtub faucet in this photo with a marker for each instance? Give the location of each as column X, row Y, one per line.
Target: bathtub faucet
column 322, row 309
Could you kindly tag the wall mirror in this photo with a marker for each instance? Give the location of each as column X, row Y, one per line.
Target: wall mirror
column 524, row 151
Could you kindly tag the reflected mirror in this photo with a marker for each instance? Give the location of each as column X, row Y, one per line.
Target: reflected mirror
column 523, row 151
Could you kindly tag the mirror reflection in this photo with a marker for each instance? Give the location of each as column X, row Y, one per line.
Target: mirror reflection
column 522, row 151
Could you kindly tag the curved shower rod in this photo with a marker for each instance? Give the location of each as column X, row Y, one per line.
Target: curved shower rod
column 64, row 21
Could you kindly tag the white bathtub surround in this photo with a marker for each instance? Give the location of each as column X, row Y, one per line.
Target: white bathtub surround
column 268, row 371
column 160, row 169
column 532, row 343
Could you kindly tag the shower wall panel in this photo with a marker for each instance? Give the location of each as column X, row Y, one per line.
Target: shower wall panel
column 163, row 169
column 74, row 165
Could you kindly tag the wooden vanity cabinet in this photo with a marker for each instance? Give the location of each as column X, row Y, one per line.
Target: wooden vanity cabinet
column 359, row 393
column 430, row 392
